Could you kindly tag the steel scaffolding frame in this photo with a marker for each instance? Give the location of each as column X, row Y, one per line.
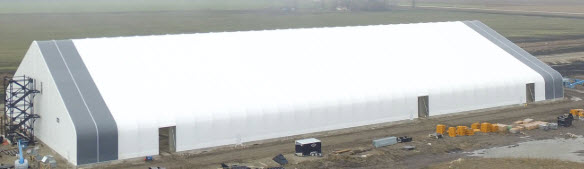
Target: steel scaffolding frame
column 19, row 117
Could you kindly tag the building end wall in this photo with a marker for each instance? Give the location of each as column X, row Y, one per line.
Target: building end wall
column 59, row 135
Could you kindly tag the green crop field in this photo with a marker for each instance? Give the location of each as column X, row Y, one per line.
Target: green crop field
column 22, row 22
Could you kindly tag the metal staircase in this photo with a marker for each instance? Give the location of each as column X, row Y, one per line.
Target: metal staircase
column 18, row 120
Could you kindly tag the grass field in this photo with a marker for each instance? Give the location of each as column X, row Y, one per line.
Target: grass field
column 576, row 6
column 22, row 22
column 92, row 6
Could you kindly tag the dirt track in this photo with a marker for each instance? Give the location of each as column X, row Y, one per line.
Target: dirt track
column 568, row 45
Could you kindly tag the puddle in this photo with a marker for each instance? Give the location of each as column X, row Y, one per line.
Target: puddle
column 559, row 148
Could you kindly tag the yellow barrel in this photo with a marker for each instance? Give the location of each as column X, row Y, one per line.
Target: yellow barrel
column 451, row 131
column 470, row 132
column 475, row 126
column 476, row 130
column 440, row 128
column 574, row 112
column 461, row 130
column 486, row 127
column 495, row 128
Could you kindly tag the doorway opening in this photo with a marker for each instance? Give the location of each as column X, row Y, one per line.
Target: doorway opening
column 167, row 140
column 530, row 92
column 423, row 107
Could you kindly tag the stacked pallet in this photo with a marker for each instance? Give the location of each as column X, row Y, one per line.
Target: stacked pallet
column 516, row 127
column 528, row 124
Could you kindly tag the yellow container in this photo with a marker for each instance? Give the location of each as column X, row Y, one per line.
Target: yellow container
column 575, row 112
column 486, row 127
column 470, row 132
column 475, row 126
column 494, row 128
column 476, row 130
column 452, row 131
column 440, row 128
column 461, row 130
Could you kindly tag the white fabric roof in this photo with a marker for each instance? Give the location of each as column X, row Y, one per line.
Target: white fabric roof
column 224, row 79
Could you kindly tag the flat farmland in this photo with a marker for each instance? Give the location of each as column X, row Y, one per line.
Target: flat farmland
column 19, row 30
column 567, row 6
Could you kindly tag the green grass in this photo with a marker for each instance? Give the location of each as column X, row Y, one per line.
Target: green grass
column 21, row 24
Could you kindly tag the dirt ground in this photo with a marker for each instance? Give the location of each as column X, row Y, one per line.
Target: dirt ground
column 567, row 45
column 43, row 150
column 519, row 163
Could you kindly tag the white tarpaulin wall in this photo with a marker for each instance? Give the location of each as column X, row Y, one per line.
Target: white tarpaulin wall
column 228, row 88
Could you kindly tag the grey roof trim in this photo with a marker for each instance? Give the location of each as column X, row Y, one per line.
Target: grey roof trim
column 553, row 79
column 96, row 129
column 106, row 125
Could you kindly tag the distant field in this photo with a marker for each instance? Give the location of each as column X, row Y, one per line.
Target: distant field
column 91, row 6
column 22, row 22
column 576, row 6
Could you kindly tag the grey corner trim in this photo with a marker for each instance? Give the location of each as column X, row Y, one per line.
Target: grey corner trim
column 553, row 79
column 97, row 137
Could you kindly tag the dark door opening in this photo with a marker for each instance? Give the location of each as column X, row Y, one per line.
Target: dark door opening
column 167, row 139
column 423, row 107
column 530, row 92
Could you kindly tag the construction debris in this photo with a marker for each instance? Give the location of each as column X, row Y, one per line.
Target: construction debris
column 572, row 135
column 409, row 147
column 531, row 126
column 10, row 152
column 239, row 167
column 49, row 160
column 514, row 130
column 341, row 151
column 384, row 142
column 280, row 159
column 565, row 120
column 544, row 126
column 501, row 127
column 404, row 139
column 553, row 126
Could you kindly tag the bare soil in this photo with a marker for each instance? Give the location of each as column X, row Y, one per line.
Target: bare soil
column 515, row 163
column 553, row 46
